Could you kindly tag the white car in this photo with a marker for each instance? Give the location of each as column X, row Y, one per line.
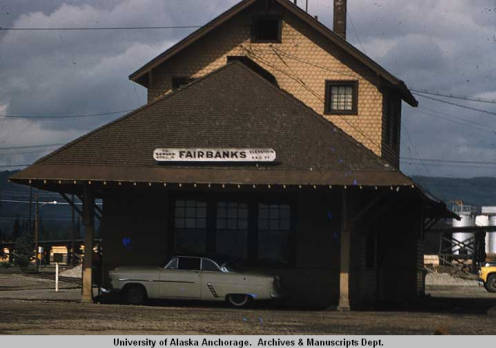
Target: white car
column 192, row 278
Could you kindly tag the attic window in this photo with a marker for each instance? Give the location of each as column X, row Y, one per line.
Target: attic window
column 341, row 97
column 266, row 28
column 181, row 81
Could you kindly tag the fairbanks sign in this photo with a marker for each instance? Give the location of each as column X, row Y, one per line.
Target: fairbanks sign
column 214, row 155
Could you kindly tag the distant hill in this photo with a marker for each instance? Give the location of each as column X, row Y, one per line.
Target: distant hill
column 474, row 191
column 55, row 220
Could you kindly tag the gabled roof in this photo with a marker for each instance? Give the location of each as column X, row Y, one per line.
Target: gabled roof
column 232, row 107
column 302, row 15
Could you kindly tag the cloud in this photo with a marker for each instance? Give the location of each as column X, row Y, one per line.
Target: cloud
column 445, row 45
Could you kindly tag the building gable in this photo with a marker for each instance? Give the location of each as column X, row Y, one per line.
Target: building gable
column 306, row 59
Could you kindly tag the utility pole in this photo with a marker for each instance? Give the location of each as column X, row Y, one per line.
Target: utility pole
column 36, row 231
column 30, row 222
column 73, row 234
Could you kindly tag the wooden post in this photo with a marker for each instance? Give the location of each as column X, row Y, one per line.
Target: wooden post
column 36, row 234
column 345, row 247
column 89, row 226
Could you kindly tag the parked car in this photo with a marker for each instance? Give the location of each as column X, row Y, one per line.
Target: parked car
column 192, row 278
column 487, row 276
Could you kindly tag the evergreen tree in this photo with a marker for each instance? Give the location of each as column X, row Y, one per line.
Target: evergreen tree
column 24, row 250
column 16, row 229
column 2, row 240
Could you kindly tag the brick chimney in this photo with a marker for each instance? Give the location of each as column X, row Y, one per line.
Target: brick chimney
column 340, row 18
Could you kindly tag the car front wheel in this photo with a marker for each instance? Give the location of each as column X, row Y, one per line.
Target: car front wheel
column 491, row 283
column 238, row 300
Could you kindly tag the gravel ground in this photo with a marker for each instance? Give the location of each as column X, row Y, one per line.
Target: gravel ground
column 29, row 305
column 442, row 279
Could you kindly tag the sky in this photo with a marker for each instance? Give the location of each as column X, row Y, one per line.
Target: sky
column 442, row 46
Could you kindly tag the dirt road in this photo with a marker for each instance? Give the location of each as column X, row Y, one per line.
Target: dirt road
column 464, row 312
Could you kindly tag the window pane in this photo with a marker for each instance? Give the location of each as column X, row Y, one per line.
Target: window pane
column 189, row 263
column 190, row 221
column 209, row 266
column 341, row 98
column 172, row 264
column 232, row 229
column 273, row 232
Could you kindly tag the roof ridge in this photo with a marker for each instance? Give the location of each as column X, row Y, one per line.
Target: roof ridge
column 298, row 12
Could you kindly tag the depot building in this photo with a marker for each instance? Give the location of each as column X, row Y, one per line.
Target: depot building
column 307, row 202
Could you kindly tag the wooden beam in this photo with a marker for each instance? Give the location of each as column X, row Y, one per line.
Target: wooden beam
column 71, row 203
column 99, row 213
column 369, row 206
column 89, row 226
column 345, row 249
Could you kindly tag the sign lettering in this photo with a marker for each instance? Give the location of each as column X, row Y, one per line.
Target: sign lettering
column 213, row 155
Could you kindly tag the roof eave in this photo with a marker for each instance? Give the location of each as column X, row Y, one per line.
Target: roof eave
column 135, row 76
column 345, row 45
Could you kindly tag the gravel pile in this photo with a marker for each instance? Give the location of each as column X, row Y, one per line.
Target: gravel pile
column 435, row 278
column 75, row 272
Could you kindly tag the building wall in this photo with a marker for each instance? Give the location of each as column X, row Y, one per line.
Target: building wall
column 301, row 63
column 136, row 231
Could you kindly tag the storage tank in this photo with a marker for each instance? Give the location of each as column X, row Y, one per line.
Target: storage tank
column 490, row 236
column 467, row 219
column 482, row 221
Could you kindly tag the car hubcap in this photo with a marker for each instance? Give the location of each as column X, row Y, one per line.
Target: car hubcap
column 239, row 300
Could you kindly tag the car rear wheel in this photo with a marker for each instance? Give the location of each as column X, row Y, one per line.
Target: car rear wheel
column 238, row 300
column 491, row 283
column 135, row 295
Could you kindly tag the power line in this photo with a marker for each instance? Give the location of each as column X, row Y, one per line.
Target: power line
column 29, row 146
column 442, row 161
column 456, row 104
column 64, row 116
column 46, row 202
column 14, row 165
column 98, row 28
column 479, row 100
column 460, row 121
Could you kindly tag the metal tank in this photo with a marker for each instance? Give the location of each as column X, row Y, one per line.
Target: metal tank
column 467, row 219
column 482, row 221
column 490, row 236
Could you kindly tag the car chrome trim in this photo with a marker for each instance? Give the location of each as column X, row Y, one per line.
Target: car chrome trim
column 212, row 289
column 155, row 281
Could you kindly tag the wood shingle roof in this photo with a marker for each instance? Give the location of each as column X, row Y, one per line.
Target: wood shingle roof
column 232, row 107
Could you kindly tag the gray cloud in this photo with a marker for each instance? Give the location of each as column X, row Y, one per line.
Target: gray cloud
column 445, row 45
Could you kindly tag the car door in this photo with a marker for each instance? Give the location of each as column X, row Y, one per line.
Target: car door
column 181, row 280
column 211, row 276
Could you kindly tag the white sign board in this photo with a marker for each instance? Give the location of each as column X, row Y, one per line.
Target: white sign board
column 214, row 155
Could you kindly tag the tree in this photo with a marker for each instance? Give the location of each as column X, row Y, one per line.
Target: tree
column 16, row 229
column 23, row 249
column 2, row 240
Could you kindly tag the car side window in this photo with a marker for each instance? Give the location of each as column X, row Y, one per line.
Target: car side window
column 209, row 266
column 172, row 264
column 189, row 263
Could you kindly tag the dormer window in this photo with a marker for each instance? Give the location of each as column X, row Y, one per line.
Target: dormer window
column 266, row 28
